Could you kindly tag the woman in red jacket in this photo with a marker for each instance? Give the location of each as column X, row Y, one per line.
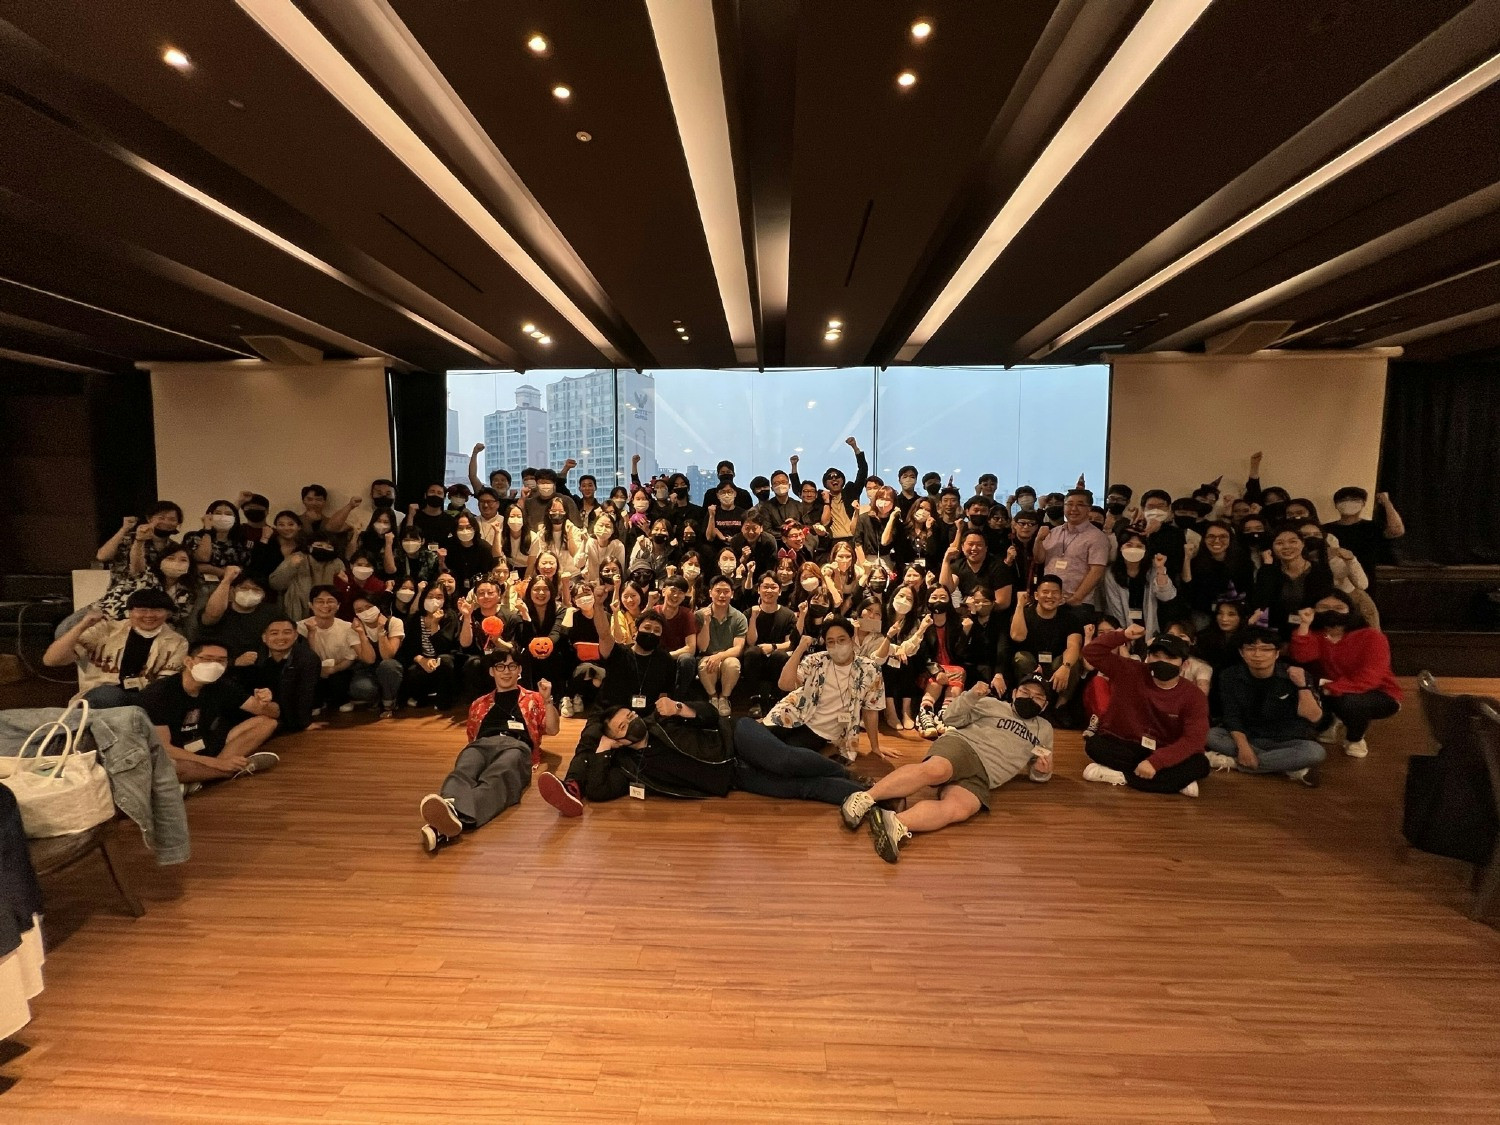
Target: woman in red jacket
column 1354, row 666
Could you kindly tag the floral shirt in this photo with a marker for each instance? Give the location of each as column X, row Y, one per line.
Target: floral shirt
column 533, row 713
column 867, row 694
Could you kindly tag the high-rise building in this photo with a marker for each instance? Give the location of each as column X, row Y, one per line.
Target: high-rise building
column 584, row 415
column 517, row 438
column 455, row 461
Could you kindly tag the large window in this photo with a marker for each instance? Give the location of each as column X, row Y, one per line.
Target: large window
column 1028, row 425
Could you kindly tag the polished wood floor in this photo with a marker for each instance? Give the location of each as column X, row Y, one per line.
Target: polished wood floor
column 1265, row 953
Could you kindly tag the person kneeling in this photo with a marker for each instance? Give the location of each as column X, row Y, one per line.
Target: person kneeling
column 505, row 731
column 987, row 742
column 1151, row 737
column 1269, row 714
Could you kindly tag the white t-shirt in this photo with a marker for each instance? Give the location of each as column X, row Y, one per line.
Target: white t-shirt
column 827, row 718
column 338, row 642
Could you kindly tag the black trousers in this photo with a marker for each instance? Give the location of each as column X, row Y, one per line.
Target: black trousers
column 1359, row 710
column 1118, row 754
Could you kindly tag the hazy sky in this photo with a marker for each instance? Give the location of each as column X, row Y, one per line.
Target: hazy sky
column 1037, row 425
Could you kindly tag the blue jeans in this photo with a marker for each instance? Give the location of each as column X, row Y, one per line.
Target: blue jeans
column 112, row 695
column 381, row 680
column 1276, row 755
column 768, row 764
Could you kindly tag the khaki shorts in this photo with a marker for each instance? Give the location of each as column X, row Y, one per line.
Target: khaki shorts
column 968, row 771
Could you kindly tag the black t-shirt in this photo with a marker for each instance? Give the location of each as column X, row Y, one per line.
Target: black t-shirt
column 1365, row 539
column 728, row 521
column 628, row 675
column 240, row 632
column 133, row 659
column 773, row 628
column 762, row 552
column 205, row 718
column 1050, row 636
column 992, row 572
column 505, row 717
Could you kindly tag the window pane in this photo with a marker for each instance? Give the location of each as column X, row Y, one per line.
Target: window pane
column 539, row 418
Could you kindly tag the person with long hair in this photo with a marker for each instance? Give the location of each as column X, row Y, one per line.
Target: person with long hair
column 1135, row 589
column 219, row 544
column 1213, row 566
column 429, row 648
column 1289, row 582
column 544, row 621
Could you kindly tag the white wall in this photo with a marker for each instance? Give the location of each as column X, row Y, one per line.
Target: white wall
column 223, row 427
column 1178, row 420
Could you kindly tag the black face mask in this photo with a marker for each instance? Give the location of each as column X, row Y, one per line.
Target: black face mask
column 384, row 501
column 1312, row 550
column 937, row 608
column 433, row 502
column 726, row 478
column 1163, row 670
column 323, row 554
column 762, row 494
column 1055, row 513
column 1331, row 619
column 1257, row 539
column 661, row 537
column 556, row 517
column 1025, row 707
column 1185, row 521
column 254, row 515
column 647, row 642
column 1115, row 508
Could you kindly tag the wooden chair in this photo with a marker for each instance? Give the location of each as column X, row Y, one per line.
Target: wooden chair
column 58, row 853
column 1487, row 878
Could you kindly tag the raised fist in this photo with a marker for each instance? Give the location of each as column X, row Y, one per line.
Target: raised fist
column 1305, row 616
column 231, row 573
column 1135, row 632
column 851, row 443
column 1161, row 562
column 478, row 447
column 128, row 522
column 1297, row 675
column 544, row 689
column 665, row 706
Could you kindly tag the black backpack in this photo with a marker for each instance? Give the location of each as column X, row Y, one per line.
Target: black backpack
column 684, row 758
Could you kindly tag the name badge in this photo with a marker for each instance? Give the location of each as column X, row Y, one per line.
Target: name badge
column 638, row 792
column 1137, row 615
column 1059, row 565
column 197, row 746
column 1294, row 619
column 329, row 663
column 1149, row 743
column 1044, row 658
column 515, row 724
column 637, row 702
column 134, row 683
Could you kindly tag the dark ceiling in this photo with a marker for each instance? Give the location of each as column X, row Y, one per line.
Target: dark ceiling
column 154, row 213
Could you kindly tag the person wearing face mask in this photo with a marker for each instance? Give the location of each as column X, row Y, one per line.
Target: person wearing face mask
column 254, row 508
column 638, row 673
column 793, row 752
column 1116, row 505
column 287, row 668
column 768, row 644
column 725, row 515
column 781, row 506
column 1023, row 498
column 504, row 730
column 1348, row 574
column 1269, row 712
column 742, row 498
column 940, row 659
column 987, row 741
column 117, row 660
column 1162, row 535
column 429, row 648
column 942, row 531
column 379, row 543
column 219, row 544
column 298, row 573
column 1152, row 735
column 211, row 724
column 236, row 614
column 377, row 674
column 142, row 547
column 1353, row 663
column 1369, row 539
column 360, row 578
column 469, row 556
column 653, row 551
column 414, row 558
column 1188, row 514
column 1136, row 589
column 875, row 530
column 515, row 539
column 539, row 504
column 431, row 518
column 931, row 482
column 609, row 756
column 908, row 625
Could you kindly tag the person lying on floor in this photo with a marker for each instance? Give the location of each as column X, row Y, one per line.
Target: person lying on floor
column 504, row 730
column 986, row 742
column 1153, row 733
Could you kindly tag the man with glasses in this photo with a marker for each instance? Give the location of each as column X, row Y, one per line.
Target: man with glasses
column 1270, row 712
column 505, row 732
column 1076, row 551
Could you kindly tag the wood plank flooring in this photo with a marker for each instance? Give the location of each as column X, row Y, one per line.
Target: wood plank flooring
column 1265, row 953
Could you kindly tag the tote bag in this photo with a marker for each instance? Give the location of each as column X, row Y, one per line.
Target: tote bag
column 60, row 794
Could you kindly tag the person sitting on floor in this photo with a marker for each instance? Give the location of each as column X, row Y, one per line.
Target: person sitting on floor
column 290, row 670
column 117, row 660
column 504, row 730
column 987, row 741
column 1269, row 712
column 1152, row 735
column 1354, row 665
column 212, row 727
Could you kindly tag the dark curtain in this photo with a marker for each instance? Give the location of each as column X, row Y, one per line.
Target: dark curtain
column 1440, row 459
column 122, row 433
column 419, row 431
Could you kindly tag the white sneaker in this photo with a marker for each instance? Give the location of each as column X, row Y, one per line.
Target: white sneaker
column 440, row 816
column 1190, row 789
column 1220, row 761
column 1095, row 772
column 566, row 710
column 1356, row 749
column 855, row 808
column 721, row 704
column 578, row 707
column 1334, row 734
column 345, row 708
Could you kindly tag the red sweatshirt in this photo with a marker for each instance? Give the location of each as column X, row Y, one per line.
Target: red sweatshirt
column 1360, row 662
column 1139, row 707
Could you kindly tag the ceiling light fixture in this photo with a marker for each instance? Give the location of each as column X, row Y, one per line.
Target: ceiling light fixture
column 686, row 338
column 284, row 22
column 906, row 79
column 584, row 137
column 529, row 329
column 176, row 59
column 688, row 46
column 831, row 335
column 1430, row 108
column 921, row 30
column 538, row 45
column 544, row 340
column 561, row 93
column 1151, row 40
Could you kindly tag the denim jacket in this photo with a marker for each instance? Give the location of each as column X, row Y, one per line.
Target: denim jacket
column 140, row 773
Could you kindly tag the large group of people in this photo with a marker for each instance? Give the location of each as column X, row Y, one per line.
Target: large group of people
column 759, row 636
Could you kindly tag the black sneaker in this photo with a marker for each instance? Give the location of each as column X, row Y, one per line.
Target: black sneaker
column 927, row 724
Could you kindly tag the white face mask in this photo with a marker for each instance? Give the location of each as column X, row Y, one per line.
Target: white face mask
column 781, row 490
column 369, row 615
column 1155, row 515
column 841, row 652
column 411, row 546
column 546, row 489
column 1132, row 554
column 584, row 603
column 149, row 633
column 726, row 566
column 641, row 504
column 222, row 522
column 405, row 596
column 691, row 572
column 515, row 523
column 248, row 599
column 465, row 535
column 1026, row 502
column 432, row 605
column 810, row 584
column 207, row 673
column 1350, row 507
column 901, row 604
column 174, row 569
column 362, row 573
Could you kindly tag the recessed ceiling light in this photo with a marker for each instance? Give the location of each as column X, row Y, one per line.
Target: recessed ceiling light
column 921, row 30
column 812, row 402
column 538, row 45
column 176, row 59
column 561, row 93
column 584, row 137
column 906, row 79
column 831, row 335
column 835, row 324
column 529, row 329
column 544, row 339
column 685, row 337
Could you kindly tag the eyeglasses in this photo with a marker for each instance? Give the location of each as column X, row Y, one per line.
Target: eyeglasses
column 1260, row 649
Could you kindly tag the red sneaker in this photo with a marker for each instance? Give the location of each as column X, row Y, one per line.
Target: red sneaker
column 560, row 796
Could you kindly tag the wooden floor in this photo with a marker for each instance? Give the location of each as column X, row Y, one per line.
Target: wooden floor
column 1265, row 953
